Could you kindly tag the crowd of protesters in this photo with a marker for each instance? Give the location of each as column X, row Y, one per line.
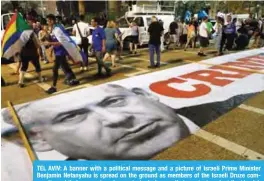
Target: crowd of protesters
column 227, row 34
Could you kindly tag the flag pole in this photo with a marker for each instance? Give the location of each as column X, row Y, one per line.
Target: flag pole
column 22, row 132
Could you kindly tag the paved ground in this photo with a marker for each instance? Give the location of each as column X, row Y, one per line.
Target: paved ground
column 239, row 134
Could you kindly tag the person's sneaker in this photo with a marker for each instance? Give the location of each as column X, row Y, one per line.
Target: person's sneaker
column 81, row 68
column 157, row 65
column 21, row 85
column 74, row 82
column 85, row 68
column 43, row 79
column 46, row 62
column 51, row 90
column 98, row 75
column 108, row 72
column 151, row 67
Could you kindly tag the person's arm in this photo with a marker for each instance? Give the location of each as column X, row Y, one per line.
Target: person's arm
column 36, row 40
column 41, row 35
column 162, row 30
column 74, row 30
column 129, row 24
column 150, row 28
column 102, row 34
column 117, row 36
column 87, row 29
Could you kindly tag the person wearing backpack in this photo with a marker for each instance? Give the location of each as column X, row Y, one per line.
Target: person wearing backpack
column 81, row 30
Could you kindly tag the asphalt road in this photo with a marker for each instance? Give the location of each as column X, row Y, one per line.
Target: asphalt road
column 237, row 135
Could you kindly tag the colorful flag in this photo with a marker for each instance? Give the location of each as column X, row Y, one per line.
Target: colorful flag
column 70, row 46
column 16, row 35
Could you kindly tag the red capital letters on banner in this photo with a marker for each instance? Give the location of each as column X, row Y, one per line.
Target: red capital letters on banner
column 163, row 88
column 247, row 63
column 214, row 77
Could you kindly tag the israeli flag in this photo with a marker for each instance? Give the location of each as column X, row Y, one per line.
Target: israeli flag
column 70, row 46
column 187, row 17
column 202, row 14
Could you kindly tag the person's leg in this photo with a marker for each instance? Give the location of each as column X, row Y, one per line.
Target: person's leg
column 24, row 67
column 55, row 69
column 162, row 43
column 151, row 55
column 113, row 57
column 67, row 69
column 222, row 44
column 101, row 64
column 98, row 57
column 43, row 50
column 36, row 64
column 228, row 40
column 85, row 50
column 135, row 45
column 187, row 44
column 157, row 49
column 18, row 67
column 231, row 41
column 193, row 43
column 121, row 50
column 131, row 46
column 82, row 63
column 106, row 56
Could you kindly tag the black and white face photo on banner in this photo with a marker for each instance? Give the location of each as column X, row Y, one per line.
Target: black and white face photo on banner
column 132, row 119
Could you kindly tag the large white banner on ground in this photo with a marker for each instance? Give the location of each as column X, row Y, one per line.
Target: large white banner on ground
column 138, row 117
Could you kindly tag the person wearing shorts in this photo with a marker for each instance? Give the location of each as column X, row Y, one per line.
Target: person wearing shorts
column 134, row 38
column 119, row 42
column 29, row 53
column 111, row 41
column 203, row 36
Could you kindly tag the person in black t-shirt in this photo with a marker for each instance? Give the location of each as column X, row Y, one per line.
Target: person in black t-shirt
column 173, row 33
column 155, row 31
column 196, row 25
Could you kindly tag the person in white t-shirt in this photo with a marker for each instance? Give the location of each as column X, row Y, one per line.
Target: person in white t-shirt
column 81, row 30
column 203, row 36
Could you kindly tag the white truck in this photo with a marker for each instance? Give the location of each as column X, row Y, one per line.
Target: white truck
column 142, row 16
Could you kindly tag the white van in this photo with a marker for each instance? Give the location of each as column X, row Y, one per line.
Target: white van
column 5, row 18
column 142, row 16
